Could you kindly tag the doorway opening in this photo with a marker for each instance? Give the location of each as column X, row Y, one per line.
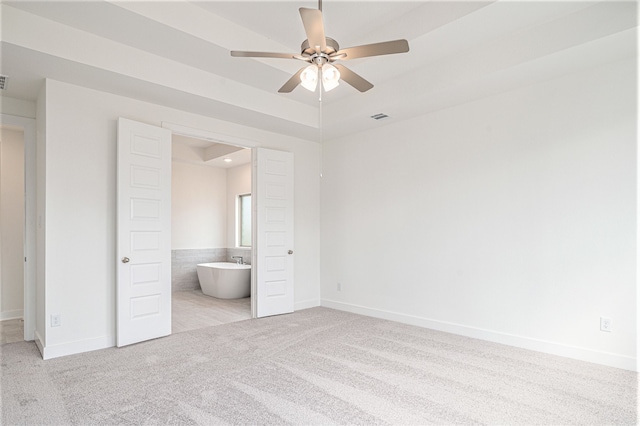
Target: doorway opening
column 211, row 185
column 144, row 227
column 24, row 256
column 12, row 231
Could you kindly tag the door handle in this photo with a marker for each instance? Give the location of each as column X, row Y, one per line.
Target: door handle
column 125, row 260
column 290, row 252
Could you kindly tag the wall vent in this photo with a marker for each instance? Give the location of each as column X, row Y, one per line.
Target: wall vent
column 379, row 116
column 3, row 82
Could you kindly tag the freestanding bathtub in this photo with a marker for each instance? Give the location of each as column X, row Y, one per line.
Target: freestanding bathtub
column 225, row 280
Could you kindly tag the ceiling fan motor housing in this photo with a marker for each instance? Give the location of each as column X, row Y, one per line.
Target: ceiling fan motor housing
column 332, row 47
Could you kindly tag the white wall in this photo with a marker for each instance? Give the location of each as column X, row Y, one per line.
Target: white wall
column 41, row 222
column 11, row 223
column 238, row 182
column 203, row 204
column 512, row 218
column 17, row 107
column 80, row 172
column 198, row 206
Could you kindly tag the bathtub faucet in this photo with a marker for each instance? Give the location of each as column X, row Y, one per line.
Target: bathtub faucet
column 240, row 259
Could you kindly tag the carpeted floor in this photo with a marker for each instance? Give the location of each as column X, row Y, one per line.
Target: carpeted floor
column 317, row 366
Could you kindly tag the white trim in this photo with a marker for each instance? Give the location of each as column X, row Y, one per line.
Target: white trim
column 209, row 136
column 306, row 304
column 254, row 234
column 637, row 220
column 9, row 315
column 238, row 222
column 554, row 348
column 29, row 127
column 78, row 346
column 179, row 129
column 39, row 342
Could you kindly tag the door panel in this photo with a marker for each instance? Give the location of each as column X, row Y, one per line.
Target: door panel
column 273, row 208
column 143, row 232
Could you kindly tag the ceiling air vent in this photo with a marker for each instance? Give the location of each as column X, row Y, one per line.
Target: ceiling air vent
column 379, row 116
column 3, row 82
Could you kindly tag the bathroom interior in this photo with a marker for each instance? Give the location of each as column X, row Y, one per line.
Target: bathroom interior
column 210, row 227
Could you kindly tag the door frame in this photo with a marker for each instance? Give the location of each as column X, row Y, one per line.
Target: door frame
column 181, row 130
column 28, row 125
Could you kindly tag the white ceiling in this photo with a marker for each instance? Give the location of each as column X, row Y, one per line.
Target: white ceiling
column 208, row 153
column 177, row 54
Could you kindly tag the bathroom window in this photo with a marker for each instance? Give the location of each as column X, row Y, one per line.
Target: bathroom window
column 244, row 220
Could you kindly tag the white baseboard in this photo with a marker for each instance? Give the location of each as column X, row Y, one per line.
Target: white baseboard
column 554, row 348
column 306, row 304
column 39, row 342
column 78, row 346
column 9, row 315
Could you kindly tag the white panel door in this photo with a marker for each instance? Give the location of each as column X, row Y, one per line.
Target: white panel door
column 143, row 232
column 273, row 207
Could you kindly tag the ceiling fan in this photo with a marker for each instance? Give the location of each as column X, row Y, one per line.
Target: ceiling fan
column 322, row 53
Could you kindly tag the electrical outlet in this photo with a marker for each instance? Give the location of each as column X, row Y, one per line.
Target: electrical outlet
column 339, row 287
column 56, row 320
column 605, row 324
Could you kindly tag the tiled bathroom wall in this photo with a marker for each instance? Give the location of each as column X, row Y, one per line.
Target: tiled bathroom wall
column 244, row 252
column 184, row 261
column 183, row 266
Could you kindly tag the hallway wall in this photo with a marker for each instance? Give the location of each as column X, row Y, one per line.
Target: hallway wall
column 12, row 216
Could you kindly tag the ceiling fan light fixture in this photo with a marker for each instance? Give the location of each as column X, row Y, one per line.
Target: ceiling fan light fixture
column 330, row 77
column 309, row 78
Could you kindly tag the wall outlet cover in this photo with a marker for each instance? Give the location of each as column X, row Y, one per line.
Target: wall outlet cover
column 55, row 320
column 605, row 324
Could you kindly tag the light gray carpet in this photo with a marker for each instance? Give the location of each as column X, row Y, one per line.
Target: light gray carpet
column 317, row 366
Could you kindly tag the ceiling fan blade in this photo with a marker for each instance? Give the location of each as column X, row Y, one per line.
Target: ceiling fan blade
column 337, row 56
column 241, row 54
column 375, row 49
column 302, row 58
column 353, row 79
column 292, row 83
column 314, row 27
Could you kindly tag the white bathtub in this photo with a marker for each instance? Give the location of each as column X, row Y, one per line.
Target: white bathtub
column 225, row 280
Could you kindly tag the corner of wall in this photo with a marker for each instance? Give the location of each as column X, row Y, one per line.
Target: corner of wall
column 76, row 347
column 39, row 343
column 306, row 304
column 41, row 130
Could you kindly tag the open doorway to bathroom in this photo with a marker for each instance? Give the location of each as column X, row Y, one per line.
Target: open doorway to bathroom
column 210, row 220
